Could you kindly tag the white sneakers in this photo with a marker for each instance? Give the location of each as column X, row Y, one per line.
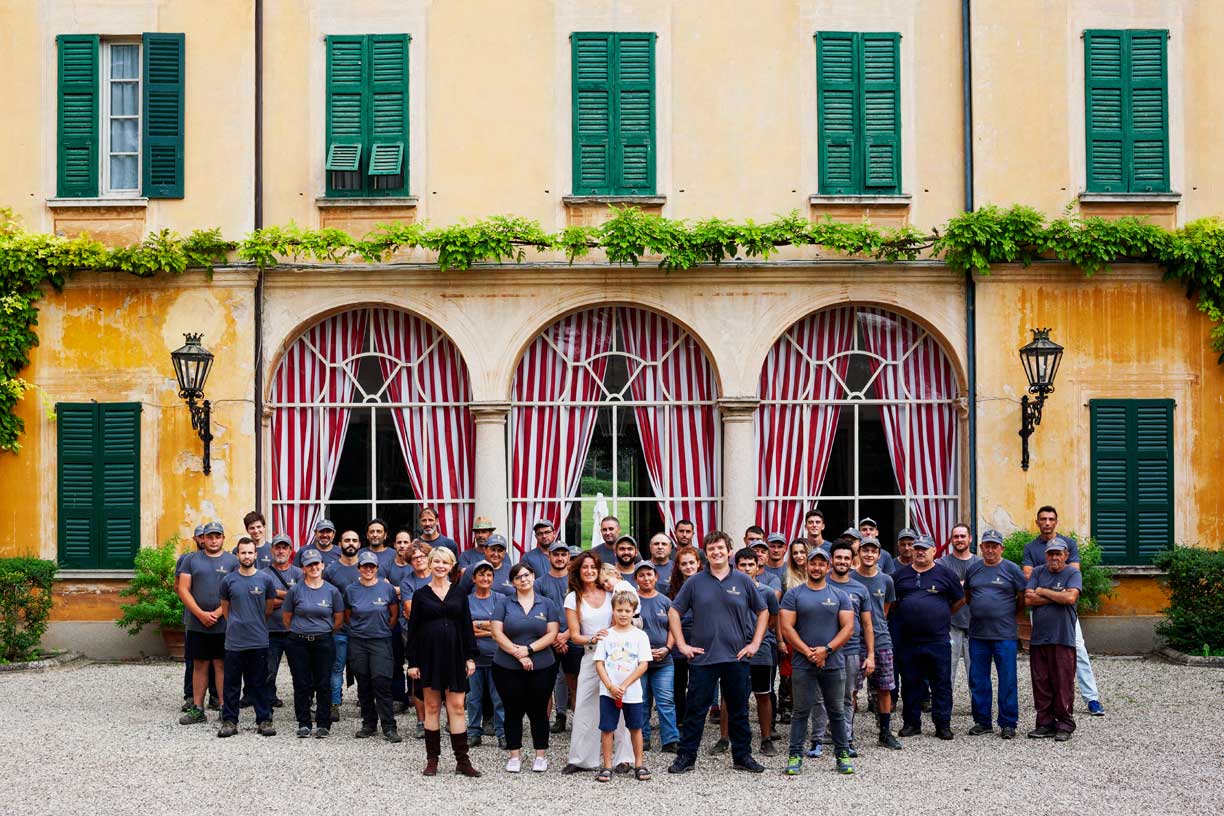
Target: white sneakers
column 514, row 765
column 540, row 765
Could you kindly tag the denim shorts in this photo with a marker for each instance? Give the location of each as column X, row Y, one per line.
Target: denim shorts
column 609, row 714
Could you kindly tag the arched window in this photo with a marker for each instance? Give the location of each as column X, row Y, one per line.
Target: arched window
column 370, row 418
column 858, row 416
column 613, row 413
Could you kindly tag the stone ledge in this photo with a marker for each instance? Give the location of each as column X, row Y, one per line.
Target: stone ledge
column 401, row 201
column 1159, row 209
column 46, row 664
column 862, row 200
column 1174, row 656
column 94, row 575
column 881, row 210
column 591, row 211
column 643, row 200
column 1124, row 198
column 79, row 203
column 1136, row 571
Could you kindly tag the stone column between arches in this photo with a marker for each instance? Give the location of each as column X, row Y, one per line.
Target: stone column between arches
column 490, row 488
column 739, row 465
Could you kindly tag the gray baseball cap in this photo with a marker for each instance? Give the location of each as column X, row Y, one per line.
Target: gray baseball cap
column 907, row 532
column 1056, row 546
column 367, row 557
column 775, row 538
column 558, row 545
column 496, row 540
column 924, row 542
column 312, row 556
column 199, row 530
column 819, row 552
column 324, row 524
column 213, row 527
column 280, row 538
column 870, row 541
column 542, row 523
column 853, row 533
column 640, row 565
column 992, row 536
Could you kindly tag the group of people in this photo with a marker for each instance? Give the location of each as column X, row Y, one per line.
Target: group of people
column 616, row 632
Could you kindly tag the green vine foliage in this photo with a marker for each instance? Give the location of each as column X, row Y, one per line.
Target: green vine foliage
column 971, row 242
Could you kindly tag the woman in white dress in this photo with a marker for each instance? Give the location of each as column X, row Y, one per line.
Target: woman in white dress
column 588, row 611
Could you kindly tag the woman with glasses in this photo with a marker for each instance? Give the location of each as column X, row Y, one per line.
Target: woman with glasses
column 312, row 611
column 525, row 625
column 413, row 578
column 371, row 611
column 441, row 652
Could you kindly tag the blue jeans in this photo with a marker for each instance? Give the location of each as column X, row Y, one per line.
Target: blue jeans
column 480, row 682
column 658, row 686
column 926, row 671
column 809, row 686
column 1083, row 667
column 704, row 682
column 337, row 672
column 1002, row 653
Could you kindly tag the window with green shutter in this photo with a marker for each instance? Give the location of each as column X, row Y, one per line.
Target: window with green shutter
column 858, row 113
column 1132, row 478
column 614, row 113
column 367, row 115
column 1126, row 107
column 112, row 140
column 99, row 484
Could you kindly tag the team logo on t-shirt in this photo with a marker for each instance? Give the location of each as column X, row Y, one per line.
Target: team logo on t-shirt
column 934, row 590
column 540, row 616
column 1058, row 585
column 733, row 591
column 829, row 602
column 325, row 602
column 380, row 601
column 222, row 570
column 256, row 590
column 879, row 593
column 661, row 613
column 998, row 579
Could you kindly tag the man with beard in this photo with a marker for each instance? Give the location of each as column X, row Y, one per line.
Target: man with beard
column 554, row 585
column 858, row 654
column 684, row 532
column 627, row 556
column 246, row 602
column 927, row 595
column 324, row 543
column 537, row 558
column 959, row 559
column 431, row 533
column 199, row 587
column 284, row 576
column 376, row 542
column 482, row 528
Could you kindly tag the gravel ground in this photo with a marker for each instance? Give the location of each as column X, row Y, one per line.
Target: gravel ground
column 105, row 739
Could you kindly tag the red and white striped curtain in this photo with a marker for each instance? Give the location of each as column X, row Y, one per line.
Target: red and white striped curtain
column 565, row 364
column 794, row 441
column 437, row 439
column 921, row 437
column 678, row 440
column 306, row 442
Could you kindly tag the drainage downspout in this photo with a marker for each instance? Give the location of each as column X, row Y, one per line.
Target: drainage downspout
column 970, row 284
column 259, row 280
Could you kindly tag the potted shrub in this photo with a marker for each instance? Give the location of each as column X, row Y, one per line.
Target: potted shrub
column 154, row 600
column 1098, row 580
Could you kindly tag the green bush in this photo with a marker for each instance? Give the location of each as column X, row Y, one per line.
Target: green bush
column 156, row 602
column 1194, row 620
column 1098, row 580
column 25, row 606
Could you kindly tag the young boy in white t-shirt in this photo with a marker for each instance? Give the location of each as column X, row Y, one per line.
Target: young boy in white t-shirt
column 621, row 659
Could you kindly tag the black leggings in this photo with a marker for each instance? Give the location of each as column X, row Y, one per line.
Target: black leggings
column 525, row 692
column 680, row 677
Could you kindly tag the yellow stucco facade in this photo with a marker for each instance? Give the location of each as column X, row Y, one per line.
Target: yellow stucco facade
column 490, row 132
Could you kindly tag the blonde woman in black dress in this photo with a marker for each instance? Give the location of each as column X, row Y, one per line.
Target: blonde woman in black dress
column 441, row 652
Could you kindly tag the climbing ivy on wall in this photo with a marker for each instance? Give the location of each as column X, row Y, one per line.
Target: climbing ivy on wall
column 1192, row 256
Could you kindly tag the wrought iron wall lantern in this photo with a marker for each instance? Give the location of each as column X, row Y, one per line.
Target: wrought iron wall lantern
column 192, row 363
column 1040, row 358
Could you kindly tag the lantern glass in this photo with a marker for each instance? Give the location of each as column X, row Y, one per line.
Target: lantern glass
column 192, row 363
column 1041, row 359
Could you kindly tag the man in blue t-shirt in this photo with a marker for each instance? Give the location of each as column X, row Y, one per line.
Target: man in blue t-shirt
column 1053, row 592
column 959, row 559
column 554, row 585
column 198, row 584
column 729, row 621
column 927, row 595
column 537, row 557
column 994, row 593
column 323, row 544
column 482, row 528
column 817, row 620
column 431, row 531
column 246, row 602
column 1034, row 556
column 284, row 577
column 340, row 573
column 859, row 652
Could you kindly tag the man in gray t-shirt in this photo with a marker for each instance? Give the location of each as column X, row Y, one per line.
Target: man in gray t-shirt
column 1053, row 592
column 959, row 559
column 198, row 584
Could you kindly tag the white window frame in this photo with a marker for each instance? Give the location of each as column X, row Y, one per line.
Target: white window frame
column 618, row 401
column 370, row 400
column 854, row 400
column 105, row 112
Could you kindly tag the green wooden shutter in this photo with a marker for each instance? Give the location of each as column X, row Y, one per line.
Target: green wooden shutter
column 1132, row 478
column 1126, row 111
column 77, row 157
column 592, row 105
column 841, row 164
column 77, row 432
column 348, row 105
column 163, row 115
column 388, row 133
column 1149, row 112
column 99, row 485
column 634, row 118
column 881, row 112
